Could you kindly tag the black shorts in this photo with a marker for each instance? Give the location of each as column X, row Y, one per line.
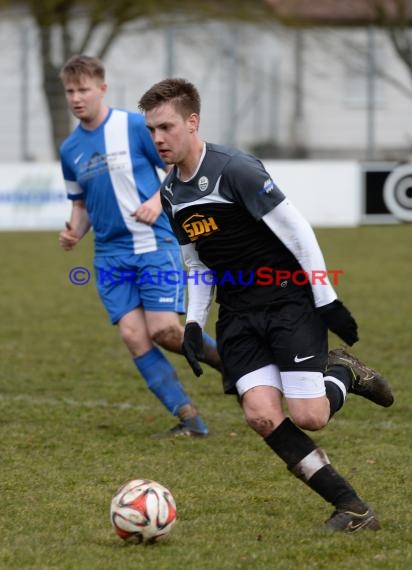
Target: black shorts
column 291, row 336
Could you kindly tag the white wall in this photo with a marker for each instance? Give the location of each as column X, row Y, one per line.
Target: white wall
column 336, row 85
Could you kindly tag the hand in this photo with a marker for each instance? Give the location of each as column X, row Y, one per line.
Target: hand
column 192, row 347
column 339, row 320
column 149, row 211
column 67, row 238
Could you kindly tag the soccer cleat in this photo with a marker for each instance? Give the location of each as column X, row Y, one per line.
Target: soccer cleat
column 192, row 427
column 366, row 382
column 348, row 521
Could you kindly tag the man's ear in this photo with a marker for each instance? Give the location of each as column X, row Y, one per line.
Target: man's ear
column 193, row 122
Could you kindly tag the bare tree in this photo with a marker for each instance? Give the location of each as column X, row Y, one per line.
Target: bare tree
column 67, row 27
column 396, row 17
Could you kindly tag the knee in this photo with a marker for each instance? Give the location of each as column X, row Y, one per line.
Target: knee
column 127, row 334
column 262, row 409
column 169, row 337
column 261, row 423
column 310, row 421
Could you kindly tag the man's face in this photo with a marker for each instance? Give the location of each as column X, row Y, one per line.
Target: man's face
column 84, row 97
column 171, row 133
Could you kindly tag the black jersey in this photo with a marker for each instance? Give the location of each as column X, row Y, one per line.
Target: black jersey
column 220, row 211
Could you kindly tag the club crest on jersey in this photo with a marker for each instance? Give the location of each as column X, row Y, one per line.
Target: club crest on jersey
column 198, row 225
column 268, row 186
column 203, row 183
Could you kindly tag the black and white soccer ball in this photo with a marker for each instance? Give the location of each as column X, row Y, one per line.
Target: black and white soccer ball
column 142, row 510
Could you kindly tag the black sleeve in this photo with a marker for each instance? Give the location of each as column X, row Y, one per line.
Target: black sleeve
column 247, row 182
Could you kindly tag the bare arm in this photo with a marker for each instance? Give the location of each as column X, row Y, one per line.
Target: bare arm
column 77, row 228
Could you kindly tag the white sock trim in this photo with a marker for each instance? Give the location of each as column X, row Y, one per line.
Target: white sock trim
column 338, row 383
column 311, row 464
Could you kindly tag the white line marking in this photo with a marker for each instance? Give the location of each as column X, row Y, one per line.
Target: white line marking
column 71, row 402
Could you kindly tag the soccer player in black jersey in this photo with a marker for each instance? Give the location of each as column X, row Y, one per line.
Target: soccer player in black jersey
column 241, row 236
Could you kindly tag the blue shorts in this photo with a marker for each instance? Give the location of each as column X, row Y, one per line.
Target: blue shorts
column 125, row 282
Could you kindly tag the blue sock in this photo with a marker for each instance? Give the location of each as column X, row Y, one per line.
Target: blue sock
column 208, row 340
column 161, row 379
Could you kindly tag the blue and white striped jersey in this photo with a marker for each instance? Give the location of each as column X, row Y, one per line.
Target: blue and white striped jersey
column 113, row 169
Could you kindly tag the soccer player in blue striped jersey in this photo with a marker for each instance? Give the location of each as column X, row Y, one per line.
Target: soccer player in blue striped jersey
column 110, row 167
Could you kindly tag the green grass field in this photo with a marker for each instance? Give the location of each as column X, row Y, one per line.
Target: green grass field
column 76, row 422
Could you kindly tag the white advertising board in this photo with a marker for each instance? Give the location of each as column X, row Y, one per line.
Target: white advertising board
column 328, row 193
column 32, row 196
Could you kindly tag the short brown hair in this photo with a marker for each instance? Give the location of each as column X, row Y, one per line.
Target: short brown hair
column 79, row 65
column 183, row 94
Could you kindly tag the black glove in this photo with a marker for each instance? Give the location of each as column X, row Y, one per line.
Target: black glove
column 339, row 320
column 192, row 347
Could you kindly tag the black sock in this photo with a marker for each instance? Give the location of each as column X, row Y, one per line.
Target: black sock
column 334, row 393
column 310, row 464
column 335, row 396
column 335, row 489
column 290, row 442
